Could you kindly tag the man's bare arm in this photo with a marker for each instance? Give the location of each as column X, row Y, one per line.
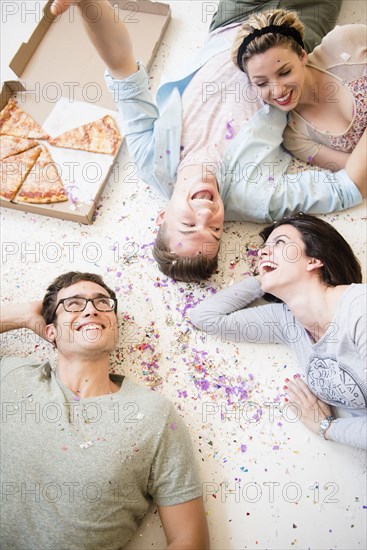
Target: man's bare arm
column 107, row 32
column 185, row 525
column 27, row 315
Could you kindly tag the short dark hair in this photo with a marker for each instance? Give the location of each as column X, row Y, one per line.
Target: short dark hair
column 182, row 268
column 323, row 242
column 64, row 281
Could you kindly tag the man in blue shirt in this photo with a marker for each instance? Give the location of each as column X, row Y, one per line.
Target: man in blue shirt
column 250, row 181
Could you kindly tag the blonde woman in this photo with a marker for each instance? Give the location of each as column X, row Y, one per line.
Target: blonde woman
column 325, row 92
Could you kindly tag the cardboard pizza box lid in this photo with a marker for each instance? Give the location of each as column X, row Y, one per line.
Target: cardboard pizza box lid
column 58, row 61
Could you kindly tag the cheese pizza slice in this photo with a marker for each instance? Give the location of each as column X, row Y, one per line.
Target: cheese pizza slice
column 16, row 122
column 42, row 184
column 12, row 145
column 99, row 136
column 14, row 170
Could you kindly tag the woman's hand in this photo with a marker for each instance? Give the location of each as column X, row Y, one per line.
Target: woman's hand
column 313, row 409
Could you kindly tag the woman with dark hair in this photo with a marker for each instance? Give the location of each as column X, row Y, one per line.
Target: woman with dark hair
column 306, row 264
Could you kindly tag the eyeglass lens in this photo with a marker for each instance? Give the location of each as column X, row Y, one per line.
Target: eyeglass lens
column 78, row 304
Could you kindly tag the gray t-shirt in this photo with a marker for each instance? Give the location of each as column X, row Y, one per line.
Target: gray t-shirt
column 334, row 366
column 80, row 474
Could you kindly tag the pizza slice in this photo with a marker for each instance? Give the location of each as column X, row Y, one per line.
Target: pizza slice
column 42, row 184
column 16, row 122
column 14, row 170
column 12, row 145
column 99, row 136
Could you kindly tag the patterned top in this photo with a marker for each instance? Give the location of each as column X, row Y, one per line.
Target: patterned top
column 349, row 140
column 342, row 54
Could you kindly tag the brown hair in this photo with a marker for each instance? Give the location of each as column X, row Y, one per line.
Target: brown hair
column 260, row 44
column 64, row 281
column 182, row 268
column 323, row 242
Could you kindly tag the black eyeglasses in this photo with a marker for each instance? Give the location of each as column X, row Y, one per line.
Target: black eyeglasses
column 76, row 304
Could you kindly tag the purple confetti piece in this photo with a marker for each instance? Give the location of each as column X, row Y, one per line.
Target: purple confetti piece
column 230, row 131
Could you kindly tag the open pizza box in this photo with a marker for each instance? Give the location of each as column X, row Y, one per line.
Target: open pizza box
column 59, row 81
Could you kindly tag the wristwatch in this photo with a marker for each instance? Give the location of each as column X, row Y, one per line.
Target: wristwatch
column 325, row 425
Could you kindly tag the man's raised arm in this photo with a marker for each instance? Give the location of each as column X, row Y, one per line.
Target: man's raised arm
column 107, row 32
column 17, row 316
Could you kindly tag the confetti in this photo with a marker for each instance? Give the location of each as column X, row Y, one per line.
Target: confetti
column 211, row 382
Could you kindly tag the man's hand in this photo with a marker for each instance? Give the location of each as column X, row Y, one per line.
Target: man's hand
column 59, row 6
column 313, row 409
column 18, row 316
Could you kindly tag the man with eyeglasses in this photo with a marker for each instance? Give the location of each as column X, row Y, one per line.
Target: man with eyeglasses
column 81, row 457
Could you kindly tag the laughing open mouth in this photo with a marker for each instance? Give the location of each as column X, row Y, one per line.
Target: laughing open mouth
column 285, row 99
column 90, row 326
column 267, row 267
column 204, row 195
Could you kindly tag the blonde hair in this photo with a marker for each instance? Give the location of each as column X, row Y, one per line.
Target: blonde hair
column 260, row 44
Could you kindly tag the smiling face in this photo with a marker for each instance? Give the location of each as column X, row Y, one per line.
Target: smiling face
column 279, row 73
column 194, row 216
column 86, row 332
column 283, row 261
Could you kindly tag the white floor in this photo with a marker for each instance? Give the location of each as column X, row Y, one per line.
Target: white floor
column 268, row 484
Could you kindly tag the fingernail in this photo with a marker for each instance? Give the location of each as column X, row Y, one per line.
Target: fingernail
column 296, row 376
column 285, row 387
column 285, row 399
column 287, row 379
